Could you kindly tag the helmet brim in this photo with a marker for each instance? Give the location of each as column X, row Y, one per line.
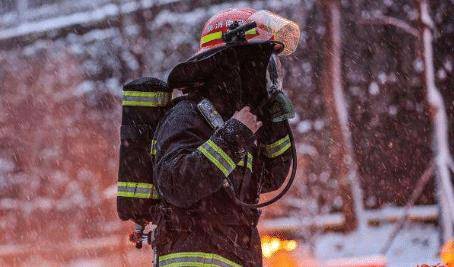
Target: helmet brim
column 209, row 51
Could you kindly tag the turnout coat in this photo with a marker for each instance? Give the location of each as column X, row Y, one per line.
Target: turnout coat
column 200, row 223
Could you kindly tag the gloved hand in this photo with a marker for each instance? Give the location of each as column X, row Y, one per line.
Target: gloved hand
column 279, row 107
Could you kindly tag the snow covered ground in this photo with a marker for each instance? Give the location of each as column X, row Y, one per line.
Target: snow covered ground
column 415, row 244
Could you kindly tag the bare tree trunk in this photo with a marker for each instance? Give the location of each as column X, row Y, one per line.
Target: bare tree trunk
column 341, row 150
column 440, row 124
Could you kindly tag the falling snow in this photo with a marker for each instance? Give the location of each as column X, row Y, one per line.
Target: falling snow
column 62, row 67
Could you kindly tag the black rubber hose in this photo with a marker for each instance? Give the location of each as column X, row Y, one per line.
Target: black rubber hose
column 287, row 186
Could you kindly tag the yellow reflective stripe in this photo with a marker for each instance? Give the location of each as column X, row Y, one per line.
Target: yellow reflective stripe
column 218, row 157
column 153, row 149
column 248, row 163
column 210, row 37
column 222, row 153
column 278, row 142
column 218, row 35
column 137, row 190
column 281, row 151
column 195, row 259
column 135, row 184
column 137, row 195
column 278, row 148
column 145, row 94
column 188, row 264
column 145, row 99
column 251, row 31
column 139, row 103
column 214, row 161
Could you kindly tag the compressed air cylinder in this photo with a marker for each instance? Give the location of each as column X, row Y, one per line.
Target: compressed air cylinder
column 144, row 102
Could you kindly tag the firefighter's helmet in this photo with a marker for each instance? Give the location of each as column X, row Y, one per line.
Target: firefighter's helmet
column 268, row 27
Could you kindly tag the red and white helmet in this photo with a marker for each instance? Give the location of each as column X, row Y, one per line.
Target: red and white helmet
column 270, row 27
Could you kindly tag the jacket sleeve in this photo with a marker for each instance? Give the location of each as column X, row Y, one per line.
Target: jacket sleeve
column 274, row 155
column 190, row 164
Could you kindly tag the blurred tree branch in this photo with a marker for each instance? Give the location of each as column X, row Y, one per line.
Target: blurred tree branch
column 440, row 122
column 387, row 20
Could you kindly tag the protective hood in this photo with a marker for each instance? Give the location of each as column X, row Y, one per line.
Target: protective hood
column 237, row 74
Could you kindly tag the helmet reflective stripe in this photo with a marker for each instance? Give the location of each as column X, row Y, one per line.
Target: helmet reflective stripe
column 137, row 190
column 278, row 148
column 218, row 36
column 210, row 37
column 218, row 157
column 146, row 99
column 195, row 259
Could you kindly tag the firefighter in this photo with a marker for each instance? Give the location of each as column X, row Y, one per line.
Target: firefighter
column 216, row 141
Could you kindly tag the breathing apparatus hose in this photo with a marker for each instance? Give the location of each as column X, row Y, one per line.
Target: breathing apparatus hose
column 284, row 191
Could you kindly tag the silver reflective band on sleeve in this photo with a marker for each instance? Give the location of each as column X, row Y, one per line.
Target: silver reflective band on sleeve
column 248, row 163
column 195, row 259
column 218, row 157
column 137, row 190
column 278, row 148
column 146, row 99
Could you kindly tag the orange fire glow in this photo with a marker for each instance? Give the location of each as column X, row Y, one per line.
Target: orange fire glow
column 447, row 253
column 271, row 245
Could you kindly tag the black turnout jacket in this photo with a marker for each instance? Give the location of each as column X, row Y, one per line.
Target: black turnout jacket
column 190, row 167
